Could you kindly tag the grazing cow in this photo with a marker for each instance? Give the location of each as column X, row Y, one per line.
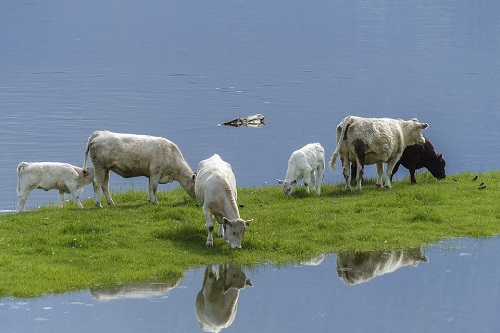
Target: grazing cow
column 359, row 267
column 217, row 301
column 419, row 156
column 374, row 141
column 216, row 192
column 131, row 155
column 308, row 162
column 64, row 177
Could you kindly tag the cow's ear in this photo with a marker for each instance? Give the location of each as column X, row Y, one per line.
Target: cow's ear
column 279, row 181
column 247, row 222
column 439, row 156
column 424, row 125
column 248, row 283
column 193, row 177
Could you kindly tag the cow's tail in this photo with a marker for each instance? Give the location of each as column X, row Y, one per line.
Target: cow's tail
column 91, row 137
column 20, row 168
column 343, row 127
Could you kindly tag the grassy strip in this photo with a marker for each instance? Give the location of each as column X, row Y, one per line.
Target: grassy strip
column 53, row 250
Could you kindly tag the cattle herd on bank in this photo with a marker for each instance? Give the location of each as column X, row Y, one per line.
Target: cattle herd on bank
column 360, row 142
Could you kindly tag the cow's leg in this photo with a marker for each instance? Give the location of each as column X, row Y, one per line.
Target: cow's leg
column 380, row 171
column 105, row 189
column 22, row 199
column 61, row 199
column 307, row 181
column 153, row 186
column 396, row 167
column 321, row 173
column 388, row 173
column 99, row 175
column 412, row 175
column 313, row 180
column 210, row 226
column 346, row 170
column 76, row 197
column 222, row 229
column 359, row 174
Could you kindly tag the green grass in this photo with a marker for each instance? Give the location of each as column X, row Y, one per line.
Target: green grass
column 52, row 250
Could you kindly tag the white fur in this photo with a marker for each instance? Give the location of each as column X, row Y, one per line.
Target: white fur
column 216, row 192
column 131, row 155
column 64, row 177
column 306, row 163
column 383, row 141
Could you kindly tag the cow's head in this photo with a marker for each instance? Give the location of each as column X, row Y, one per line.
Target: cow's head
column 87, row 175
column 436, row 166
column 288, row 186
column 412, row 132
column 234, row 231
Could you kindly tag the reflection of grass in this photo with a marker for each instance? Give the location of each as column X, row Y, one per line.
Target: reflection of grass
column 55, row 250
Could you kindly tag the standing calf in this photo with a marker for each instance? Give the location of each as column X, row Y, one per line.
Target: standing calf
column 216, row 192
column 308, row 162
column 64, row 177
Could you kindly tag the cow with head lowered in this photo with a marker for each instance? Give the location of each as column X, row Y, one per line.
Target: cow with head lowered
column 132, row 155
column 64, row 177
column 422, row 156
column 217, row 195
column 374, row 141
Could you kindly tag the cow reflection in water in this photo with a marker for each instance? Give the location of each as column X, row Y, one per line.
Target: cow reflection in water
column 359, row 267
column 217, row 301
column 134, row 291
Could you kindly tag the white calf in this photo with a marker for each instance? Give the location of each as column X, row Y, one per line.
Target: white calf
column 64, row 177
column 308, row 162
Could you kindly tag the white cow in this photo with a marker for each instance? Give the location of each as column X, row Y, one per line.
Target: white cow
column 217, row 301
column 374, row 141
column 131, row 155
column 216, row 192
column 64, row 177
column 308, row 162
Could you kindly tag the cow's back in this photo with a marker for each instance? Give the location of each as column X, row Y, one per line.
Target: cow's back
column 380, row 138
column 131, row 155
column 214, row 177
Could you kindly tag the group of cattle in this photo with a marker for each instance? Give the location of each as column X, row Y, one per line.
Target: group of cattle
column 360, row 141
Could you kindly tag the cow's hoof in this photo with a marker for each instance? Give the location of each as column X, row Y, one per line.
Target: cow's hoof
column 378, row 185
column 209, row 244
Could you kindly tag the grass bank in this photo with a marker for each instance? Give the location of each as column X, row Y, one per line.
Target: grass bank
column 53, row 250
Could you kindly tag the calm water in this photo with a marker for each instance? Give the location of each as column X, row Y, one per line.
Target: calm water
column 456, row 290
column 178, row 68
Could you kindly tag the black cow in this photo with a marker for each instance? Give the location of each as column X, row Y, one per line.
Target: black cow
column 420, row 156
